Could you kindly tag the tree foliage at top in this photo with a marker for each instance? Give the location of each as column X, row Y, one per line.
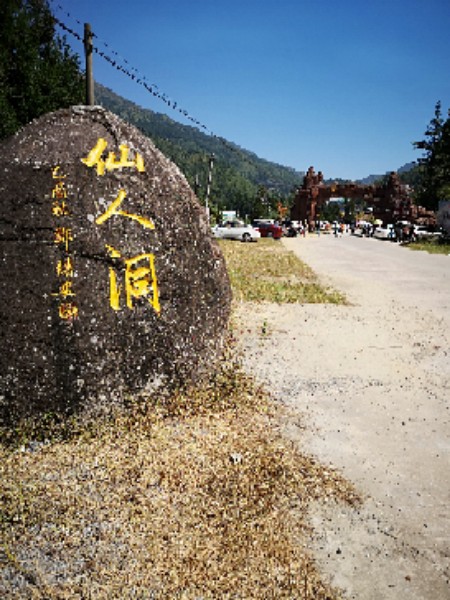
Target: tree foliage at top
column 434, row 167
column 38, row 73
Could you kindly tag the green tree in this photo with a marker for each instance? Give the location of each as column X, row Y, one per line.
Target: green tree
column 38, row 72
column 349, row 210
column 411, row 177
column 330, row 211
column 434, row 166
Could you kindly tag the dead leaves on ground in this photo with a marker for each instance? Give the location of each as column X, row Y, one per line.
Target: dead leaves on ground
column 182, row 499
column 193, row 496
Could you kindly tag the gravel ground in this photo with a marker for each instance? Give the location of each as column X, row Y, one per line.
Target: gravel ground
column 372, row 382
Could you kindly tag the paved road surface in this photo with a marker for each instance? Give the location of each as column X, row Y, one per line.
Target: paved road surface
column 373, row 381
column 418, row 279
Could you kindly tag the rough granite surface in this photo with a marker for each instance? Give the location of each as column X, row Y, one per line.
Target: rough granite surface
column 111, row 281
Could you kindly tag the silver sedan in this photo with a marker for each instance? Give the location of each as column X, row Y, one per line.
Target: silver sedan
column 234, row 230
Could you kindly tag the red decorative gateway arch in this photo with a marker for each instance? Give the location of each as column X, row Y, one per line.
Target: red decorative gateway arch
column 391, row 202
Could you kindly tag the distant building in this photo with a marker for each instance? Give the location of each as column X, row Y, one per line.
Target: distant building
column 229, row 215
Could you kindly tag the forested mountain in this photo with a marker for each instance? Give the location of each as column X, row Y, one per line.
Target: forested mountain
column 241, row 180
column 403, row 171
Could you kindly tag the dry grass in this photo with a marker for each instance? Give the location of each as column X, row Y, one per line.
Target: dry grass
column 266, row 272
column 195, row 496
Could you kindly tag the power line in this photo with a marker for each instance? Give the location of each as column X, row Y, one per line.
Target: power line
column 118, row 61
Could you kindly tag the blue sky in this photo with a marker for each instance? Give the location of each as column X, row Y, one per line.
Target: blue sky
column 343, row 85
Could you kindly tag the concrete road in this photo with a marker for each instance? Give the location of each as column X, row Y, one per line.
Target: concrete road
column 372, row 380
column 417, row 279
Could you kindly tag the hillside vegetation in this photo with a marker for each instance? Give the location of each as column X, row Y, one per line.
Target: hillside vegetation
column 241, row 180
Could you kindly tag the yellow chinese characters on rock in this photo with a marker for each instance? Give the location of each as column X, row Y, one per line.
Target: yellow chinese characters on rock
column 139, row 280
column 139, row 275
column 64, row 268
column 113, row 210
column 94, row 158
column 63, row 237
column 67, row 309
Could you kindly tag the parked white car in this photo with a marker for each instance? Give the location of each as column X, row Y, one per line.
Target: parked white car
column 422, row 232
column 234, row 230
column 384, row 233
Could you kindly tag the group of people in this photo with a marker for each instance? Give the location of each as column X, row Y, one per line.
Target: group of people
column 404, row 232
column 295, row 228
column 401, row 232
column 338, row 229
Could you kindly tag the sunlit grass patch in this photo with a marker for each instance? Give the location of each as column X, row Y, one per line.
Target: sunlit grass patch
column 266, row 272
column 431, row 246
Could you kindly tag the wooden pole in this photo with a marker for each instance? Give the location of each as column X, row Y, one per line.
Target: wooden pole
column 88, row 50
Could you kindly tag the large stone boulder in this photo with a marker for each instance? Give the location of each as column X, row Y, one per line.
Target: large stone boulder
column 111, row 282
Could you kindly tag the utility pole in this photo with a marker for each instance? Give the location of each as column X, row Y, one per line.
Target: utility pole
column 196, row 185
column 88, row 50
column 208, row 187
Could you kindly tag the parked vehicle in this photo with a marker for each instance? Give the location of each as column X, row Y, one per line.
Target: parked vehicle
column 363, row 228
column 270, row 230
column 422, row 232
column 256, row 222
column 385, row 233
column 235, row 230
